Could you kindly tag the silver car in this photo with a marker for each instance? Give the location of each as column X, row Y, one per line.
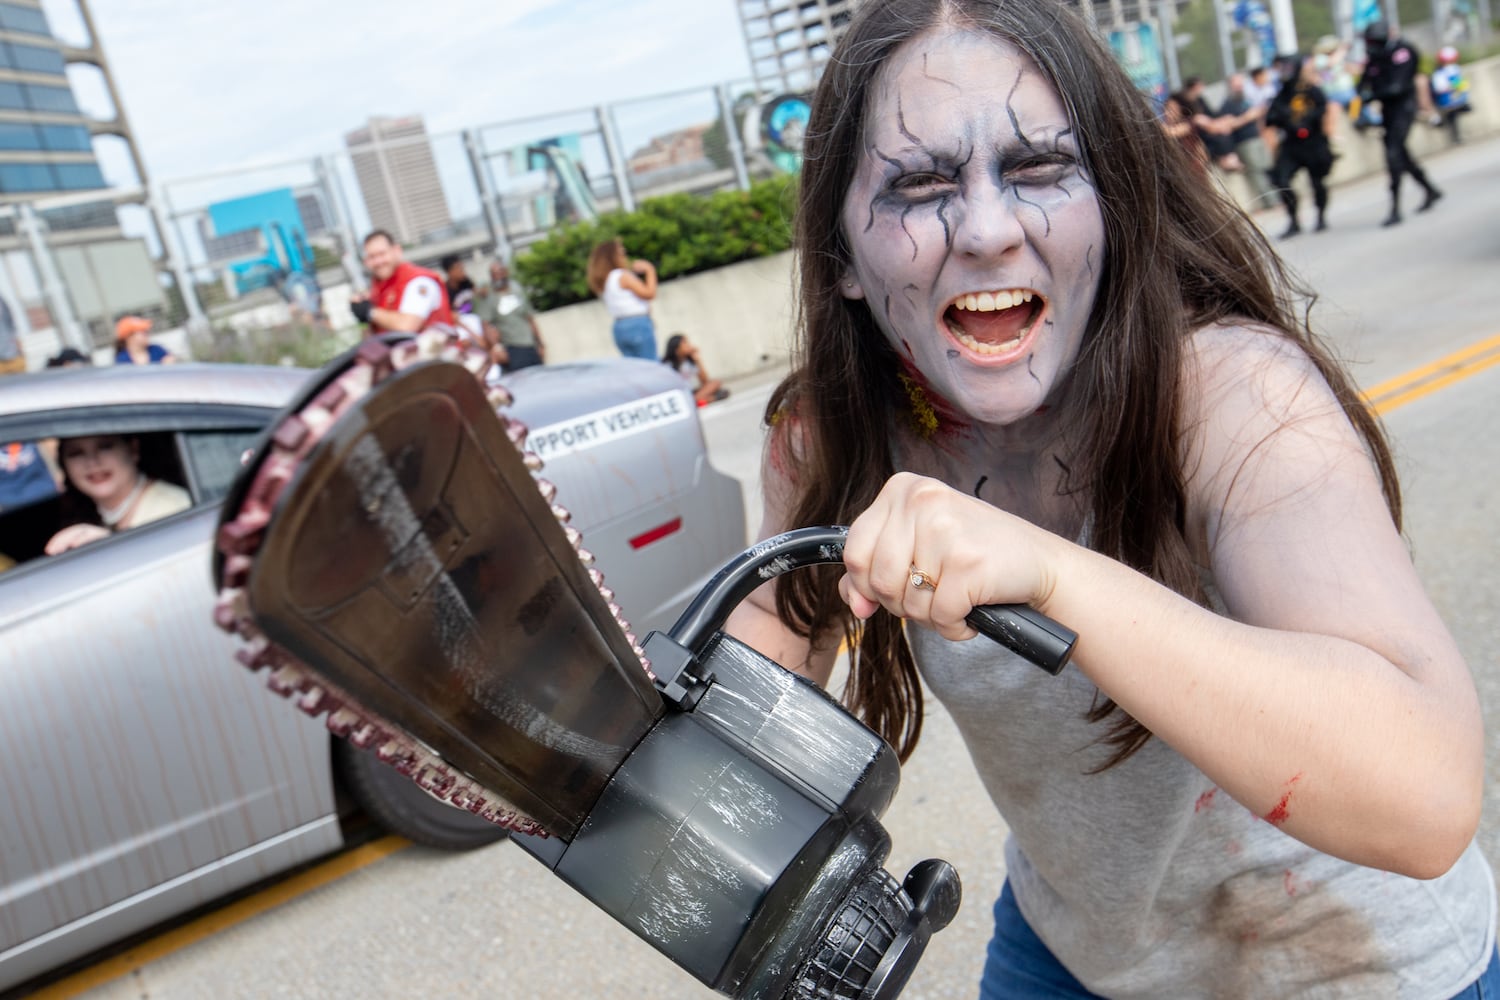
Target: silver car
column 142, row 772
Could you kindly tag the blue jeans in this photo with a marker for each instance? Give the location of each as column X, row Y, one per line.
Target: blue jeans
column 635, row 336
column 1018, row 965
column 1487, row 986
column 522, row 357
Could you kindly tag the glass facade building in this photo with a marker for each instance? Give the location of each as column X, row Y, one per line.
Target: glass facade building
column 45, row 141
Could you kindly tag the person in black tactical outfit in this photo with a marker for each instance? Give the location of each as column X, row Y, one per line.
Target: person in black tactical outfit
column 1390, row 77
column 1300, row 111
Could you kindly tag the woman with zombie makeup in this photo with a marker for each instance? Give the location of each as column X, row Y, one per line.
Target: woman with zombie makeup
column 105, row 490
column 1041, row 362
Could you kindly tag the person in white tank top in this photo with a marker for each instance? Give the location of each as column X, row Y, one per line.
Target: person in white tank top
column 627, row 288
column 1039, row 362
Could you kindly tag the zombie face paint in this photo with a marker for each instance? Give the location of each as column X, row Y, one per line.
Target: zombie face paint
column 976, row 234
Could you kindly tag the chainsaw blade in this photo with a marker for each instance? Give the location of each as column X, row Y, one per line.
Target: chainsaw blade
column 393, row 561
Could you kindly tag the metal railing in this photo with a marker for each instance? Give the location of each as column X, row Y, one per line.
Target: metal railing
column 233, row 242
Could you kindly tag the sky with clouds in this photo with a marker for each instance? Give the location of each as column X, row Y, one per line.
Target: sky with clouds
column 212, row 86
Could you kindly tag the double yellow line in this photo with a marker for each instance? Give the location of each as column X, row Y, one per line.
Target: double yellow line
column 284, row 891
column 1440, row 374
column 1383, row 398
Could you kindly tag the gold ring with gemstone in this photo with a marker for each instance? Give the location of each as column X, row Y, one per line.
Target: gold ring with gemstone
column 921, row 580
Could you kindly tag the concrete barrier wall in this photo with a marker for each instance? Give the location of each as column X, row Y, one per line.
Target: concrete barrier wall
column 741, row 316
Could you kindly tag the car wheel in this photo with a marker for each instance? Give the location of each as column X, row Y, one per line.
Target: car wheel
column 397, row 804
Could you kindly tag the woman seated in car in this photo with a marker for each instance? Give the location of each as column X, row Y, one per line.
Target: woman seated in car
column 105, row 490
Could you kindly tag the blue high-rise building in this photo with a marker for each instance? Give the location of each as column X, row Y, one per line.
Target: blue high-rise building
column 68, row 278
column 45, row 142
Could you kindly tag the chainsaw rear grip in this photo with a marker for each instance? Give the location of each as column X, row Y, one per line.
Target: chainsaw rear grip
column 1019, row 627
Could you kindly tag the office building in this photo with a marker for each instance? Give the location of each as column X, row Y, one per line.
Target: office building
column 398, row 178
column 790, row 40
column 46, row 141
column 67, row 279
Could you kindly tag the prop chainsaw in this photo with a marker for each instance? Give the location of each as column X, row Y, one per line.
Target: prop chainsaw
column 391, row 558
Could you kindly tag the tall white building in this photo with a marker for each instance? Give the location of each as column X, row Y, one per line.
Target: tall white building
column 790, row 40
column 398, row 177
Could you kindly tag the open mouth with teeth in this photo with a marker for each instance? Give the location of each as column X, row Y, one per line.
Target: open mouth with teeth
column 994, row 323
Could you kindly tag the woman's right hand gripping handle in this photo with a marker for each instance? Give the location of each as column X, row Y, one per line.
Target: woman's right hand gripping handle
column 1018, row 627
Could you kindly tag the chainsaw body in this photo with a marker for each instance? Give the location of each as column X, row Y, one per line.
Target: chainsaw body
column 392, row 558
column 739, row 833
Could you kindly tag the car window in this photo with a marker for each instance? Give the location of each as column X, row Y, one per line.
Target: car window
column 189, row 447
column 71, row 514
column 29, row 499
column 214, row 458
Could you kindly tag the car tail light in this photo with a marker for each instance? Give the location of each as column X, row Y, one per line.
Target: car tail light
column 656, row 534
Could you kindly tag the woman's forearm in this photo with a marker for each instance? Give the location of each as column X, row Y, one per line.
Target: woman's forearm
column 1344, row 749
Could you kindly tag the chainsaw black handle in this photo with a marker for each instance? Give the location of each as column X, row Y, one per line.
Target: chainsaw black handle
column 1018, row 627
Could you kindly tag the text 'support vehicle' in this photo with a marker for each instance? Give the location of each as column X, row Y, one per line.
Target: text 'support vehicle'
column 143, row 775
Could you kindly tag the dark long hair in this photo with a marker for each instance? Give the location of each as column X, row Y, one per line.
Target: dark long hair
column 1178, row 256
column 669, row 354
column 602, row 261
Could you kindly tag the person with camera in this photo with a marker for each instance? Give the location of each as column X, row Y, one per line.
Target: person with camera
column 405, row 298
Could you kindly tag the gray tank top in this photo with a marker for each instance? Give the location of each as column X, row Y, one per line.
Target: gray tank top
column 1148, row 882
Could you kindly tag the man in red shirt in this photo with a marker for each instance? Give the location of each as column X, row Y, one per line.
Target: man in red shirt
column 405, row 298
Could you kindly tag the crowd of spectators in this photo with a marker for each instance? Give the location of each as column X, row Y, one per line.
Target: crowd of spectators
column 1284, row 119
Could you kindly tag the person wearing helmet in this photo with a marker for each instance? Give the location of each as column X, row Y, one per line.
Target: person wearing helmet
column 1390, row 77
column 1450, row 90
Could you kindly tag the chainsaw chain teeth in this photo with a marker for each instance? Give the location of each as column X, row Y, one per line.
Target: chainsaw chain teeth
column 240, row 539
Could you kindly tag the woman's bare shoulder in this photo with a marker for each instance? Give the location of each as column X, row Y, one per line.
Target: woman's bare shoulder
column 1217, row 349
column 1244, row 371
column 1256, row 416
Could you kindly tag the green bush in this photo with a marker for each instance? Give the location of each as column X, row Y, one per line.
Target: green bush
column 679, row 233
column 299, row 344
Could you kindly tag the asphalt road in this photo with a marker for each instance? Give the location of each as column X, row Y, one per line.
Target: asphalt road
column 419, row 923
